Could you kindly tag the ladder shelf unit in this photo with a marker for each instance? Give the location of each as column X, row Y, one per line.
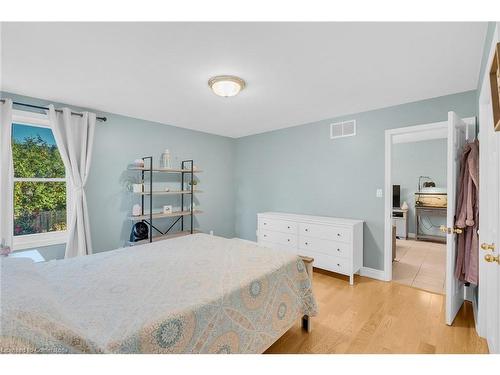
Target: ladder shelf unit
column 187, row 173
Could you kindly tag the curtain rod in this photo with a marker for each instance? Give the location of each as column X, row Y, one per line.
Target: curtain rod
column 57, row 110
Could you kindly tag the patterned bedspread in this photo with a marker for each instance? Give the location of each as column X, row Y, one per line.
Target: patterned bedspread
column 193, row 294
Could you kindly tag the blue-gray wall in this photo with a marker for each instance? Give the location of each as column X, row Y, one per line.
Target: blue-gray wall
column 486, row 51
column 411, row 160
column 297, row 169
column 302, row 170
column 122, row 139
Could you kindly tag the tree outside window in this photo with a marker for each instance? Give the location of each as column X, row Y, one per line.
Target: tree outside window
column 39, row 181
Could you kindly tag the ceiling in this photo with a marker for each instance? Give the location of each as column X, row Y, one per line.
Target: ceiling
column 296, row 73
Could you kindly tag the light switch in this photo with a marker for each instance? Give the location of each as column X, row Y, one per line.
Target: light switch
column 379, row 193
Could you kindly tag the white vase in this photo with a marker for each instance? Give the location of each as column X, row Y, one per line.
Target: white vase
column 137, row 188
column 138, row 163
column 136, row 210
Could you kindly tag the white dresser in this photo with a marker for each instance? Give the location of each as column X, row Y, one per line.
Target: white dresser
column 335, row 244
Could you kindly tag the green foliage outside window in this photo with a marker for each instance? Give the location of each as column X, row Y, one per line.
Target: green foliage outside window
column 38, row 206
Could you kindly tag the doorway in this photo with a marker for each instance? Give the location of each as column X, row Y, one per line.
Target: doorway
column 459, row 130
column 419, row 211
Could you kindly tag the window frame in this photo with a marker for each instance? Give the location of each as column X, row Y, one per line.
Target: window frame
column 28, row 241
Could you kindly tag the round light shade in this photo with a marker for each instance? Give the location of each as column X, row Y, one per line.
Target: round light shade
column 226, row 85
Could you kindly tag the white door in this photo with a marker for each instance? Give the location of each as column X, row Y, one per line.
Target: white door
column 488, row 228
column 454, row 288
column 489, row 214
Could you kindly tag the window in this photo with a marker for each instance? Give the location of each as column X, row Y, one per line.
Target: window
column 40, row 199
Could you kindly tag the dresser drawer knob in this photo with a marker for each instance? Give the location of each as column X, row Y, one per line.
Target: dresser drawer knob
column 307, row 230
column 307, row 243
column 338, row 249
column 265, row 223
column 265, row 235
column 338, row 264
column 288, row 227
column 338, row 234
column 288, row 240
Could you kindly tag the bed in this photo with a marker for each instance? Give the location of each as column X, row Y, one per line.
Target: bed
column 192, row 294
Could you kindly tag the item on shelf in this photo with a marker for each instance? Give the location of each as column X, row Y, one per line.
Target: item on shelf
column 167, row 209
column 138, row 163
column 136, row 210
column 139, row 232
column 404, row 206
column 194, row 183
column 428, row 183
column 137, row 188
column 165, row 160
column 167, row 188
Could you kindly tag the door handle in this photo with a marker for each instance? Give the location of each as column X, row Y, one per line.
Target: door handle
column 487, row 246
column 492, row 258
column 448, row 230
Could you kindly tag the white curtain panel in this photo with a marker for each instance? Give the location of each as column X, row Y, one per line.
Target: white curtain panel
column 6, row 174
column 74, row 136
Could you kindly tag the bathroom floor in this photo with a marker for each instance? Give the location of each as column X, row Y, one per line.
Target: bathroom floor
column 420, row 264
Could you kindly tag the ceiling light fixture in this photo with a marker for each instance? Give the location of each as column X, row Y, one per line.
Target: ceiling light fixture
column 226, row 85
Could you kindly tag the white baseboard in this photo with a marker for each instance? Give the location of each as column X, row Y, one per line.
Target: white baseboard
column 372, row 273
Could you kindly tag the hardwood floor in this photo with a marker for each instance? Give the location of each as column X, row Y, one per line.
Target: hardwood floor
column 379, row 317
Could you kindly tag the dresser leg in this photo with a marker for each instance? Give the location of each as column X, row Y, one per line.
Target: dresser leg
column 306, row 323
column 351, row 280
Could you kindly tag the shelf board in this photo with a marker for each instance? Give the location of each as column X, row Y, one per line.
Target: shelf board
column 163, row 237
column 161, row 216
column 171, row 192
column 164, row 170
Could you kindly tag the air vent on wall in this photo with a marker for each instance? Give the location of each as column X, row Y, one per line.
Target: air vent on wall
column 343, row 129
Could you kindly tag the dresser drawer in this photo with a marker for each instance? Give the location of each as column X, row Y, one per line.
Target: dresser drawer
column 278, row 238
column 283, row 226
column 327, row 232
column 331, row 263
column 327, row 247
